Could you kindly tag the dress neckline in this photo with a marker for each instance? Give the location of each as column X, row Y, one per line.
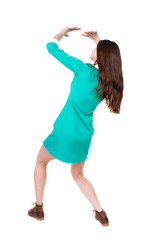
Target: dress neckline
column 93, row 66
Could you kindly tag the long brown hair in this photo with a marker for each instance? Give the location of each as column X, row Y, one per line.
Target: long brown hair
column 110, row 74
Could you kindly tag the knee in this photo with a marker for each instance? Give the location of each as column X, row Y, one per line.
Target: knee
column 41, row 161
column 77, row 175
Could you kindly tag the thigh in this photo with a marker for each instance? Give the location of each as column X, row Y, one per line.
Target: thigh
column 44, row 155
column 77, row 168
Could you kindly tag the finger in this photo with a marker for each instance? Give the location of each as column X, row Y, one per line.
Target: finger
column 77, row 28
column 87, row 33
column 74, row 28
column 84, row 35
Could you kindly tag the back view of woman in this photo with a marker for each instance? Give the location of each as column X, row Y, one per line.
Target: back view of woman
column 72, row 131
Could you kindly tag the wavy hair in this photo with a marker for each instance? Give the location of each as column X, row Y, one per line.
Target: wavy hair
column 110, row 74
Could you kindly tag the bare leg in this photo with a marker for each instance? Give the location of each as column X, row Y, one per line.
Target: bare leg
column 40, row 173
column 84, row 185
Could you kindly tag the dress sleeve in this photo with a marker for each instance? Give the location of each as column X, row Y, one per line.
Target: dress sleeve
column 73, row 63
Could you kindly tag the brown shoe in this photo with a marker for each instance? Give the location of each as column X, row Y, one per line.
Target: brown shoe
column 101, row 217
column 36, row 212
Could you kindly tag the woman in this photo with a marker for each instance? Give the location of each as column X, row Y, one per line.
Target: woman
column 72, row 131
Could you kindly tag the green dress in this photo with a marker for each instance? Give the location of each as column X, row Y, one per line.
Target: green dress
column 72, row 131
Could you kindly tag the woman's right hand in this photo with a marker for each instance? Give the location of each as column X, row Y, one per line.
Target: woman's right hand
column 93, row 35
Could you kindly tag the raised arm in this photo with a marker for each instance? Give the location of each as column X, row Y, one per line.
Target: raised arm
column 71, row 62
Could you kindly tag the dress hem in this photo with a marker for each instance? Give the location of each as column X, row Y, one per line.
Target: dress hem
column 58, row 158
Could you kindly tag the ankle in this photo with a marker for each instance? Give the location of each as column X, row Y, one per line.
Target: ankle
column 39, row 203
column 99, row 209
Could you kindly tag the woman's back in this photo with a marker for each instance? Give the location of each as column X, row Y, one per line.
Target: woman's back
column 82, row 89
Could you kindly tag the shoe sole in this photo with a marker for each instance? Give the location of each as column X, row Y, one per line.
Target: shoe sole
column 106, row 224
column 40, row 219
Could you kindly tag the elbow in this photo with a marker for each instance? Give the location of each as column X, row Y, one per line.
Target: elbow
column 48, row 47
column 51, row 47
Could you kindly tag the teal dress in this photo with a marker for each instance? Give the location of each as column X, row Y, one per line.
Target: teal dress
column 72, row 131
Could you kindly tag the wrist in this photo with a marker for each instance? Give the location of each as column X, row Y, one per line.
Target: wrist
column 59, row 36
column 97, row 40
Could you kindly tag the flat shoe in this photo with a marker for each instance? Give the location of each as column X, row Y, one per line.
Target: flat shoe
column 101, row 217
column 36, row 212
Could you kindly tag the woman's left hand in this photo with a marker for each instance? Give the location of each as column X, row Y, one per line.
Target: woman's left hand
column 69, row 29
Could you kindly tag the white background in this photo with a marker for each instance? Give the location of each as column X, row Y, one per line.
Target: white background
column 34, row 88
